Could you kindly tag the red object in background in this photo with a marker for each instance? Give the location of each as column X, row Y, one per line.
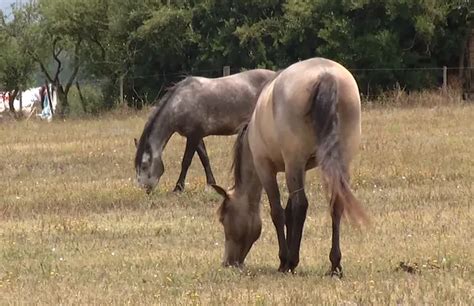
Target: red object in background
column 4, row 97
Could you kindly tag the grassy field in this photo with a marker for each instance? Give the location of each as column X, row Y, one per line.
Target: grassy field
column 75, row 229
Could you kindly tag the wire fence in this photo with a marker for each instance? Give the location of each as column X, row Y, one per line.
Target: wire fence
column 436, row 72
column 92, row 94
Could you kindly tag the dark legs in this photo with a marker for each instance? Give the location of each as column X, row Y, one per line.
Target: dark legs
column 296, row 214
column 294, row 217
column 194, row 144
column 191, row 146
column 270, row 184
column 289, row 223
column 202, row 152
column 335, row 254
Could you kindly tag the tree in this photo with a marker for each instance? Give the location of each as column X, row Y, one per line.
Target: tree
column 128, row 47
column 154, row 42
column 368, row 34
column 62, row 32
column 16, row 67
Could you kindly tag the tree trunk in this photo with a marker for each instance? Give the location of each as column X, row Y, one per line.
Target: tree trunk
column 81, row 97
column 62, row 108
column 21, row 103
column 48, row 94
column 462, row 56
column 11, row 99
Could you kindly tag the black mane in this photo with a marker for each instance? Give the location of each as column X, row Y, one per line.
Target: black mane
column 237, row 160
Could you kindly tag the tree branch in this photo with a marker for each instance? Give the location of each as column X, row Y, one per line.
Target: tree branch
column 56, row 58
column 11, row 99
column 42, row 66
column 71, row 79
column 102, row 49
column 76, row 66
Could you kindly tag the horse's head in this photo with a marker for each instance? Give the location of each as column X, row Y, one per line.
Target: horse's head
column 242, row 226
column 149, row 166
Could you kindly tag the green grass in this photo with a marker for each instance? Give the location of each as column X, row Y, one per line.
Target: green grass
column 75, row 229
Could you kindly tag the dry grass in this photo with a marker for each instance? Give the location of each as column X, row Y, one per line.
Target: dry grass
column 74, row 229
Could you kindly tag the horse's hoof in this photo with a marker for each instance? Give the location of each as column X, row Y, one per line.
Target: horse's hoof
column 292, row 266
column 178, row 188
column 236, row 265
column 335, row 273
column 284, row 268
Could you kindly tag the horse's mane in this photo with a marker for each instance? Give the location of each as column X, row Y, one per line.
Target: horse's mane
column 153, row 118
column 237, row 158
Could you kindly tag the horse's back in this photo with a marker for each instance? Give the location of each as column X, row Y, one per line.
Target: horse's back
column 282, row 116
column 218, row 106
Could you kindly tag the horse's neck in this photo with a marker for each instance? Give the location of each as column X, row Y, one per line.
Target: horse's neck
column 250, row 185
column 161, row 133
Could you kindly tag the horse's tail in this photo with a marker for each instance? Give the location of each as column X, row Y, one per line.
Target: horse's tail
column 329, row 149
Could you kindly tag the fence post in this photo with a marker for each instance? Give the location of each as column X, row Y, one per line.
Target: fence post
column 445, row 79
column 226, row 70
column 121, row 90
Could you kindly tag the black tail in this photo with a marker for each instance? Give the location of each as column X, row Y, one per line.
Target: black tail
column 329, row 150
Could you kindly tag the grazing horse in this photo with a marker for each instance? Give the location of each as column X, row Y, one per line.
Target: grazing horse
column 308, row 116
column 196, row 107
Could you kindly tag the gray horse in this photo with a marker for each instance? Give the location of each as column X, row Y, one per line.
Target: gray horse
column 196, row 107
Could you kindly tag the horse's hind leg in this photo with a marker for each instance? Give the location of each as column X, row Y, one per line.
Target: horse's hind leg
column 202, row 152
column 191, row 145
column 335, row 254
column 299, row 207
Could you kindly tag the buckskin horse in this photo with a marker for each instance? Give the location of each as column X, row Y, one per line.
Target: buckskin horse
column 309, row 115
column 196, row 107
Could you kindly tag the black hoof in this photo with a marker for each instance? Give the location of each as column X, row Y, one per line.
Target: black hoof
column 235, row 264
column 287, row 267
column 291, row 267
column 283, row 265
column 178, row 188
column 337, row 272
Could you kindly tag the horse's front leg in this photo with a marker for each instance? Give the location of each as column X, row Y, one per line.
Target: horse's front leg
column 299, row 206
column 202, row 152
column 191, row 145
column 270, row 184
column 289, row 223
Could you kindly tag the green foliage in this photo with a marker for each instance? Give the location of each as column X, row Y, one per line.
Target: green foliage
column 92, row 101
column 152, row 43
column 16, row 67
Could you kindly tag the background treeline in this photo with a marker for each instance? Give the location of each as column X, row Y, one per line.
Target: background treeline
column 150, row 43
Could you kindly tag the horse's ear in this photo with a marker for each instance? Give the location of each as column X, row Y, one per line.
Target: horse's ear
column 136, row 142
column 220, row 191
